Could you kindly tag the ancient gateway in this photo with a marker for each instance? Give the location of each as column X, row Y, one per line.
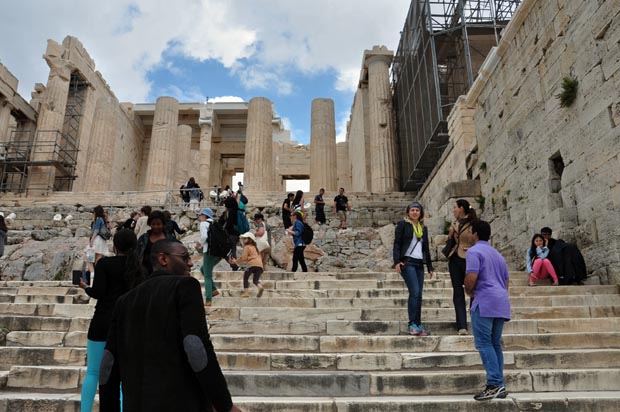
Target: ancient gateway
column 75, row 135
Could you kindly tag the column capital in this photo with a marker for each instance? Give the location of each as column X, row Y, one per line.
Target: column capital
column 378, row 54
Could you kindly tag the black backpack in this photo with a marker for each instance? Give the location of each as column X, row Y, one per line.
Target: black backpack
column 243, row 199
column 218, row 241
column 307, row 234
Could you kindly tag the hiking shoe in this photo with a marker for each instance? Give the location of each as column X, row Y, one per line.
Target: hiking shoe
column 215, row 293
column 244, row 295
column 462, row 332
column 491, row 392
column 413, row 330
column 423, row 332
column 260, row 291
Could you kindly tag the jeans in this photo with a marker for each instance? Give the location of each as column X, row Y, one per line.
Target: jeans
column 208, row 263
column 456, row 266
column 298, row 257
column 413, row 275
column 253, row 271
column 488, row 340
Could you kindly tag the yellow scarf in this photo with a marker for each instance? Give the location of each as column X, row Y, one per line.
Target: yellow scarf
column 417, row 227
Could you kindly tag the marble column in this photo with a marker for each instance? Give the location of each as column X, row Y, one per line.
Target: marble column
column 206, row 155
column 323, row 164
column 258, row 167
column 227, row 177
column 50, row 124
column 5, row 118
column 383, row 161
column 184, row 156
column 160, row 169
column 98, row 173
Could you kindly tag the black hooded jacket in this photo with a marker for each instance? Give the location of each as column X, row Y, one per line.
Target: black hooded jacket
column 158, row 347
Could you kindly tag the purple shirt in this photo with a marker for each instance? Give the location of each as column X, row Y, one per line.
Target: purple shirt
column 491, row 291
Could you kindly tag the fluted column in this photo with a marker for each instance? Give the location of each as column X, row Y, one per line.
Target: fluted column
column 206, row 154
column 258, row 167
column 323, row 146
column 98, row 171
column 51, row 120
column 382, row 138
column 5, row 117
column 160, row 170
column 184, row 156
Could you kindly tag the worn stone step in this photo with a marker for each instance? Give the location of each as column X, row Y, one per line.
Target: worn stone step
column 38, row 356
column 384, row 344
column 48, row 309
column 46, row 338
column 531, row 359
column 600, row 401
column 40, row 323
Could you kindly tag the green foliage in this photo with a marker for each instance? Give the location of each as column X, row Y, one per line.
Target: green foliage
column 481, row 200
column 446, row 226
column 483, row 166
column 569, row 91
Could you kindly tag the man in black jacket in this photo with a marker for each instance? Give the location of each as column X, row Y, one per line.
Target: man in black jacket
column 158, row 344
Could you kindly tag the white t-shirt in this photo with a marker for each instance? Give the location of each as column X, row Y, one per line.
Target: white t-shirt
column 415, row 248
column 204, row 234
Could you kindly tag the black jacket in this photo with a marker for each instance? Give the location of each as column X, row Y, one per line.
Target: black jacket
column 159, row 348
column 402, row 239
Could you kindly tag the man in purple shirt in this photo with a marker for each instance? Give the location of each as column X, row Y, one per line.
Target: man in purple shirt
column 486, row 282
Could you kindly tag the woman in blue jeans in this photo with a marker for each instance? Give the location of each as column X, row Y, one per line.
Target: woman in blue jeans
column 411, row 251
column 115, row 276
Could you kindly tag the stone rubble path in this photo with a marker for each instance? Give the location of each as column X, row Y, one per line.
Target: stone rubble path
column 337, row 342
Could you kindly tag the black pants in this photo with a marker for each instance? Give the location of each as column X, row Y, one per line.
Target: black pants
column 456, row 266
column 298, row 257
column 256, row 272
column 286, row 221
column 320, row 215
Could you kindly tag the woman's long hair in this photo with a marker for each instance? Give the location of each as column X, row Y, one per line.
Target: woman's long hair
column 470, row 212
column 298, row 196
column 3, row 224
column 125, row 242
column 99, row 212
column 533, row 245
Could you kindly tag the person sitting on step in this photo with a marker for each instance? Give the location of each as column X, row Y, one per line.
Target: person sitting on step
column 536, row 262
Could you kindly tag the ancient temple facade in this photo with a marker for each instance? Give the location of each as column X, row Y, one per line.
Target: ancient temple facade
column 76, row 136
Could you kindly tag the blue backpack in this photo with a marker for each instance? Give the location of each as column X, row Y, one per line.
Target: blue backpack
column 242, row 226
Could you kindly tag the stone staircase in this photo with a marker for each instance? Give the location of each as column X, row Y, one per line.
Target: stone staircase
column 336, row 342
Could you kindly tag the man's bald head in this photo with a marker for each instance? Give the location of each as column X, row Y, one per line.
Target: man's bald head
column 171, row 255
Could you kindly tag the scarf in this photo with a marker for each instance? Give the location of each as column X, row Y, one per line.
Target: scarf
column 417, row 227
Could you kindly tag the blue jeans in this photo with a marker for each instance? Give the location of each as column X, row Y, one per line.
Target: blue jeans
column 413, row 275
column 488, row 340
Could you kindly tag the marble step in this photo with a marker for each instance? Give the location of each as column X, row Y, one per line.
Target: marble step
column 600, row 401
column 349, row 383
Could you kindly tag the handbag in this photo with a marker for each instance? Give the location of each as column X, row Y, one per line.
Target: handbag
column 104, row 232
column 448, row 247
column 262, row 243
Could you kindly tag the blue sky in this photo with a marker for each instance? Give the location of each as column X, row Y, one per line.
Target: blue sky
column 288, row 51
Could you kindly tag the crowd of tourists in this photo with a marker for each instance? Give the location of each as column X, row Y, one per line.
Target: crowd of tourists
column 146, row 284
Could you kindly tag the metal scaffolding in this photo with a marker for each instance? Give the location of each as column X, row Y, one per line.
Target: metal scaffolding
column 442, row 46
column 47, row 160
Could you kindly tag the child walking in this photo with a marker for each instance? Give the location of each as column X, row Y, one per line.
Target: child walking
column 537, row 264
column 254, row 264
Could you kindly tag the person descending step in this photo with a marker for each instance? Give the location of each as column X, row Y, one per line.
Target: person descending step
column 251, row 256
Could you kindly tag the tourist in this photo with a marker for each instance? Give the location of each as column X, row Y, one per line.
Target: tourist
column 242, row 201
column 131, row 222
column 341, row 206
column 195, row 194
column 296, row 230
column 486, row 283
column 298, row 201
column 206, row 216
column 254, row 268
column 286, row 210
column 184, row 195
column 319, row 204
column 142, row 225
column 228, row 220
column 115, row 276
column 157, row 223
column 214, row 195
column 536, row 263
column 172, row 227
column 263, row 238
column 410, row 252
column 158, row 344
column 98, row 236
column 3, row 234
column 464, row 216
column 566, row 259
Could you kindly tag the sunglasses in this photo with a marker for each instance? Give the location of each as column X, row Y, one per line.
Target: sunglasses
column 185, row 256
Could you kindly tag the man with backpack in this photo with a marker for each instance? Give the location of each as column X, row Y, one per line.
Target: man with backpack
column 211, row 249
column 233, row 225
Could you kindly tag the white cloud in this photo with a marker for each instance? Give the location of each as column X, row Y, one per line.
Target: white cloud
column 226, row 99
column 341, row 127
column 186, row 95
column 261, row 41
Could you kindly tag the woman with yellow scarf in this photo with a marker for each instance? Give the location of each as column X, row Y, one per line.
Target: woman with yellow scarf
column 411, row 251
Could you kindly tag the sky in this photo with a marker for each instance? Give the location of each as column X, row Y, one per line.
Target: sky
column 226, row 50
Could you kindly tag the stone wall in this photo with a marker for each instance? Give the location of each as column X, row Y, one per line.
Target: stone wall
column 540, row 164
